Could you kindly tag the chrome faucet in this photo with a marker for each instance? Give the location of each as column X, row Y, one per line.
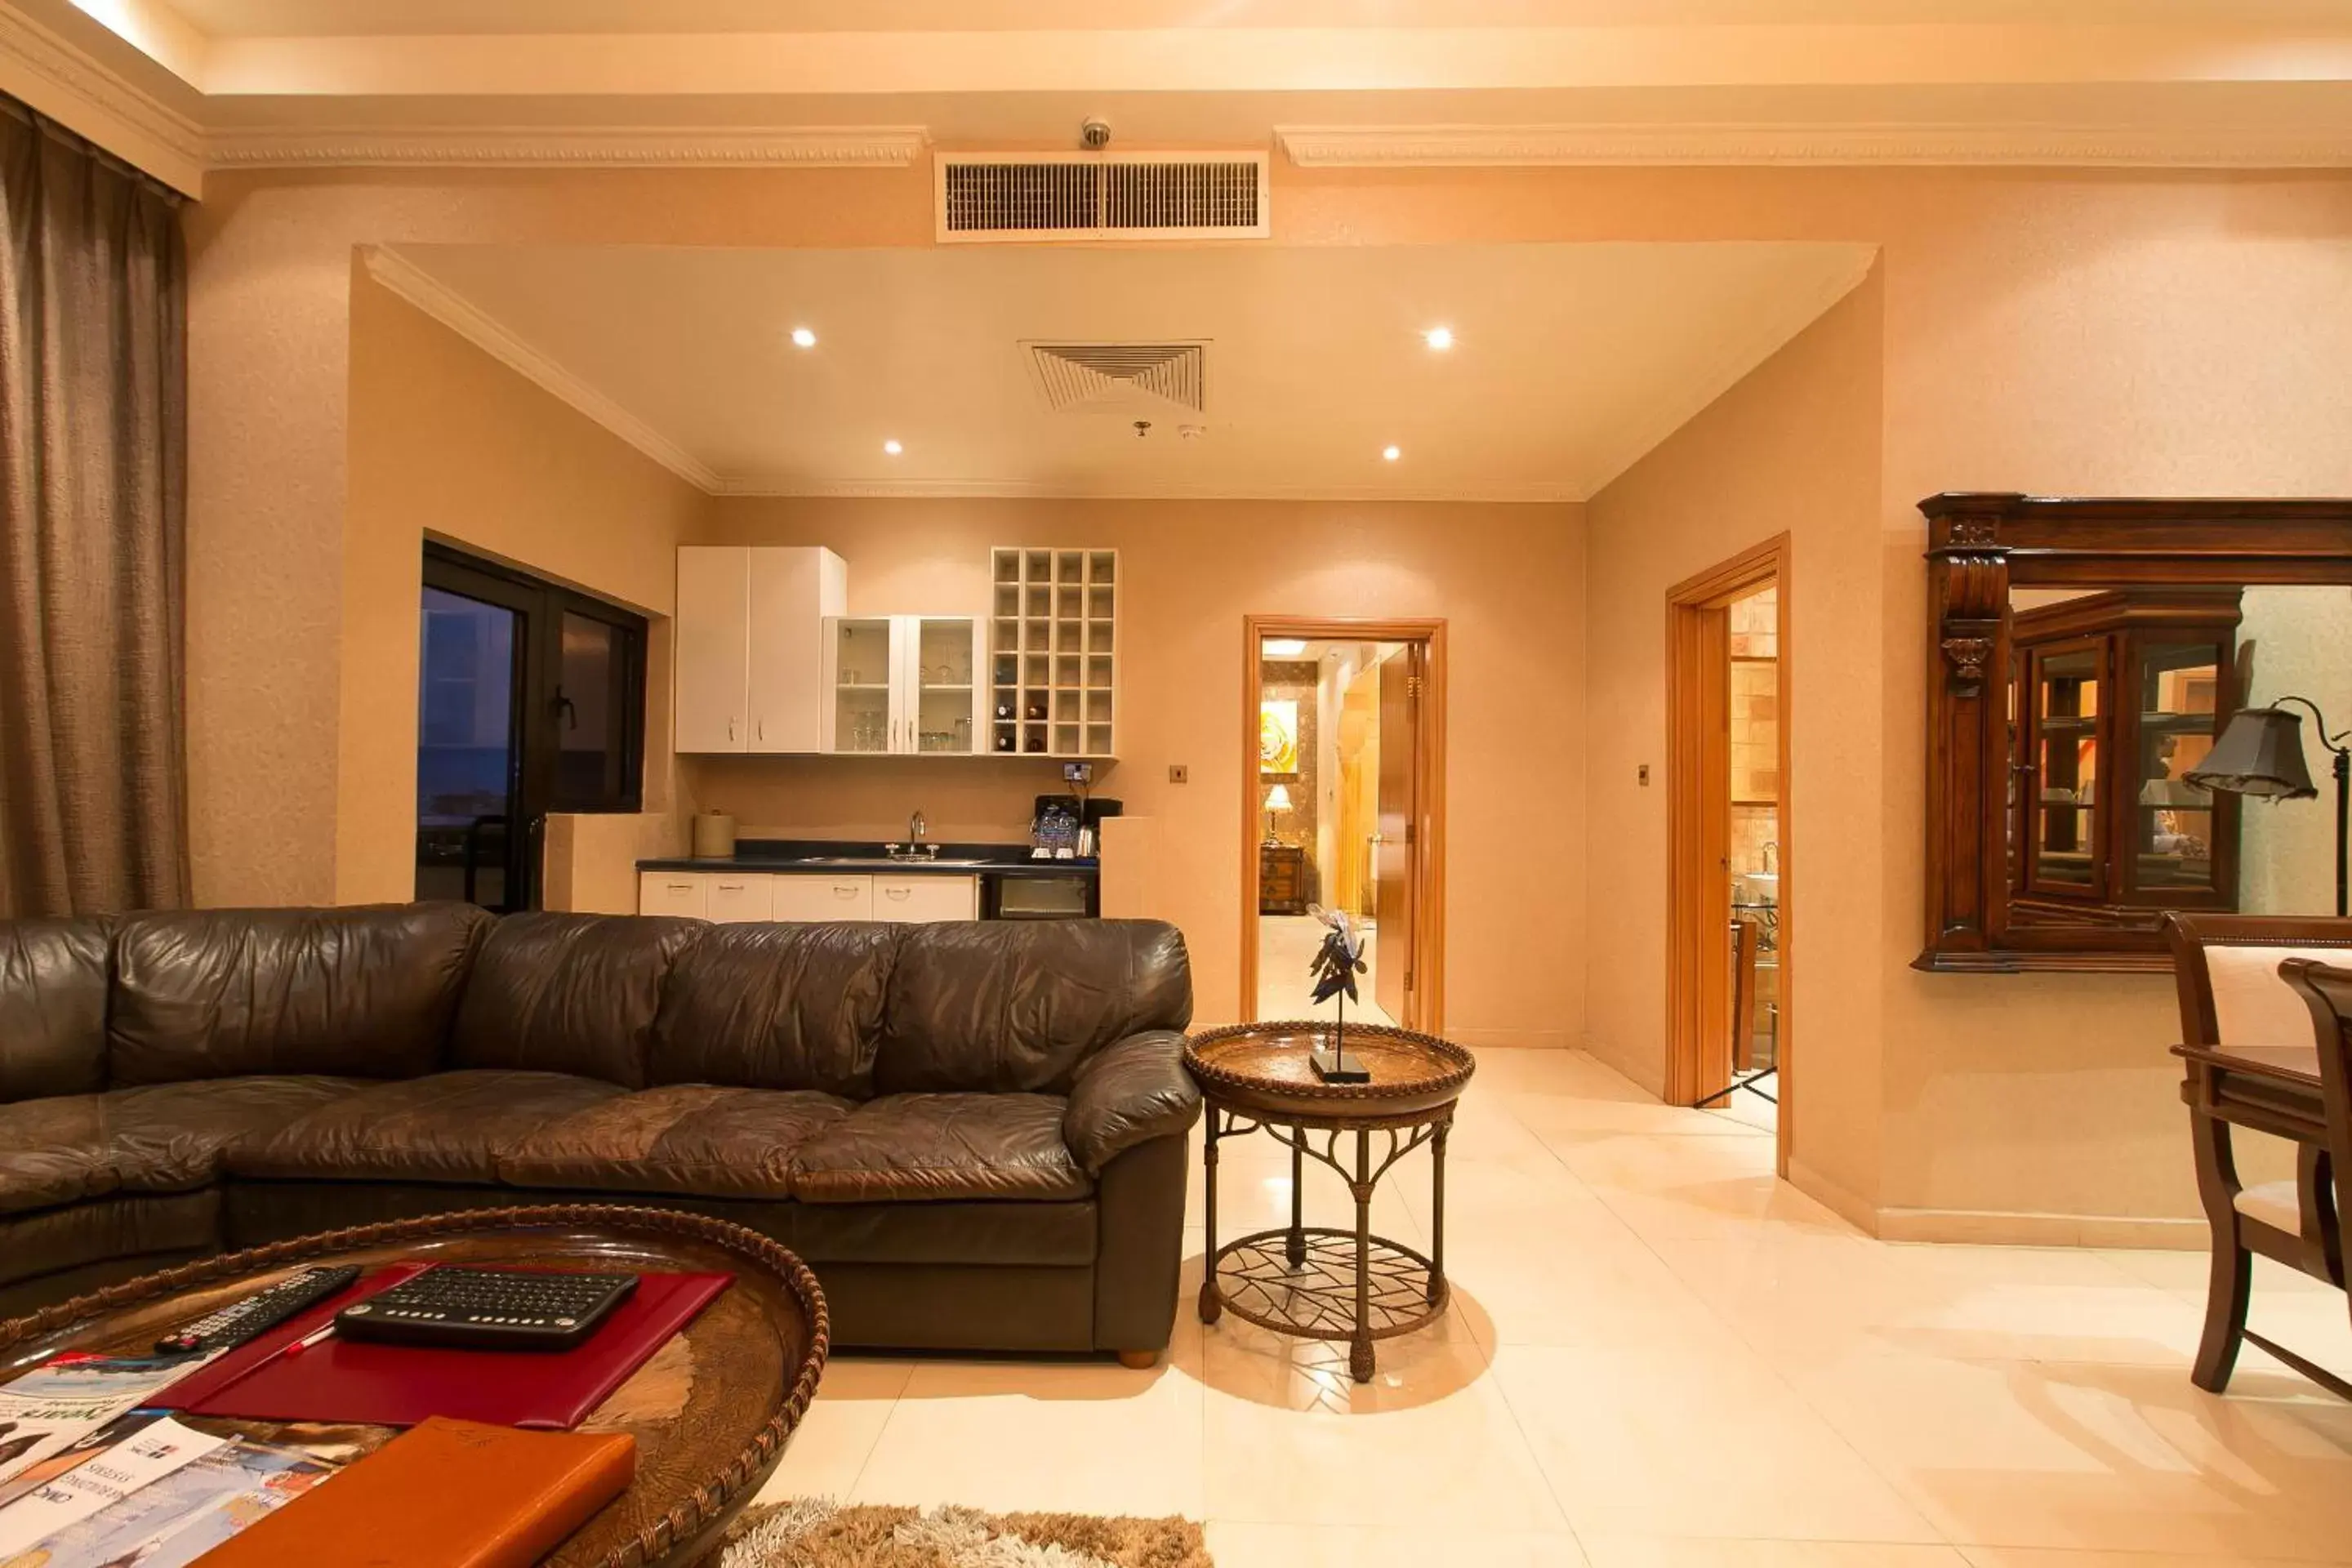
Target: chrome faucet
column 916, row 828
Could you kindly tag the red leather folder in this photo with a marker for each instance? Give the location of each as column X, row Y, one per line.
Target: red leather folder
column 400, row 1385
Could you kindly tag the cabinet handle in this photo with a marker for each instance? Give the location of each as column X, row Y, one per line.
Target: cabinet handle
column 761, row 729
column 730, row 729
column 841, row 892
column 898, row 893
column 681, row 886
column 730, row 887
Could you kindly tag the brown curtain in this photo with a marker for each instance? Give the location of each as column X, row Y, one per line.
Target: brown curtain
column 93, row 463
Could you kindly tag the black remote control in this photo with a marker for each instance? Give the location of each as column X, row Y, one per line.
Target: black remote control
column 258, row 1313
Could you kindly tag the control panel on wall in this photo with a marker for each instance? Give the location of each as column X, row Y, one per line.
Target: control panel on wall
column 1054, row 652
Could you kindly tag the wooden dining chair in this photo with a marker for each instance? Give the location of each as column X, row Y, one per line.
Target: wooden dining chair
column 2247, row 1031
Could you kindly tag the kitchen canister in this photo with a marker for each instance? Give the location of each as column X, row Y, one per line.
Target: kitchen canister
column 714, row 835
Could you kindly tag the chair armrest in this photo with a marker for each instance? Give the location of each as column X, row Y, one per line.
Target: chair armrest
column 1128, row 1094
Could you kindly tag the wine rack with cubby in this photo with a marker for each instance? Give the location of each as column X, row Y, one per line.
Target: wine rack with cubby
column 1054, row 652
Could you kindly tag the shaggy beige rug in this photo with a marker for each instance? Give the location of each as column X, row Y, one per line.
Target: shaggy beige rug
column 815, row 1532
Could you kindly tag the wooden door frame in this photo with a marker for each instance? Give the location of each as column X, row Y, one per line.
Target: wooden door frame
column 1691, row 944
column 1428, row 856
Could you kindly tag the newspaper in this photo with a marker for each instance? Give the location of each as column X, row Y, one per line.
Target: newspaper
column 173, row 1521
column 60, row 1403
column 154, row 1451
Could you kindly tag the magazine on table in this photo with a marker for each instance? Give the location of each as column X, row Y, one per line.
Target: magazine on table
column 179, row 1516
column 103, row 1480
column 62, row 1402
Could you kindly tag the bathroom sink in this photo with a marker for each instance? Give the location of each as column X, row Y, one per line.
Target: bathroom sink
column 884, row 863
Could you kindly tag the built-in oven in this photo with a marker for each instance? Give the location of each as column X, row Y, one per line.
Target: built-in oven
column 1039, row 896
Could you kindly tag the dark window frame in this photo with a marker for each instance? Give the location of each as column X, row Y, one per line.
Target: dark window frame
column 539, row 701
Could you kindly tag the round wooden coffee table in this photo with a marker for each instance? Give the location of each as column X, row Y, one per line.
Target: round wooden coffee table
column 1313, row 1281
column 711, row 1411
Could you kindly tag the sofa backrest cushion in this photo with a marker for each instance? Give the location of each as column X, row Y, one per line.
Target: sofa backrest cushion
column 569, row 992
column 1014, row 1006
column 362, row 992
column 52, row 1007
column 778, row 1007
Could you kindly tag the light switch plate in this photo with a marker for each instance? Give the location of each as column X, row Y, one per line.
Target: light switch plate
column 1645, row 776
column 1179, row 774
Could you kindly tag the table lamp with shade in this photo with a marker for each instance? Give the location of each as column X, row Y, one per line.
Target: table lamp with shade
column 1278, row 798
column 2260, row 754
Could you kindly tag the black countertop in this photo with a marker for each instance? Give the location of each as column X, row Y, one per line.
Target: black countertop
column 824, row 858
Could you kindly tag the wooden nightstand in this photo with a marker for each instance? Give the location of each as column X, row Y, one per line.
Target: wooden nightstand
column 1281, row 879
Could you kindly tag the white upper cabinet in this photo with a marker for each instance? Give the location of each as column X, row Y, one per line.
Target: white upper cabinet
column 712, row 648
column 903, row 685
column 793, row 593
column 749, row 642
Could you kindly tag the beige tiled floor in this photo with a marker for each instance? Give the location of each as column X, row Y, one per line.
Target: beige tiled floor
column 1658, row 1357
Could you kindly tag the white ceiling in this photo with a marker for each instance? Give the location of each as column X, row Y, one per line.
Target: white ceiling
column 1570, row 360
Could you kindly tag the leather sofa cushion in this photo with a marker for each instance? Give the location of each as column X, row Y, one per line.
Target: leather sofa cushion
column 232, row 993
column 569, row 993
column 914, row 1147
column 127, row 1225
column 52, row 1007
column 53, row 1151
column 170, row 1137
column 1015, row 1005
column 778, row 1007
column 692, row 1139
column 450, row 1126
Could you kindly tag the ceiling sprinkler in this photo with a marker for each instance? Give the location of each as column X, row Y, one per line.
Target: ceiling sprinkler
column 1142, row 428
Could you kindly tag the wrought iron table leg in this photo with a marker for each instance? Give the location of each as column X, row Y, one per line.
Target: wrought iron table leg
column 1294, row 1251
column 1210, row 1307
column 1359, row 1349
column 1437, row 1212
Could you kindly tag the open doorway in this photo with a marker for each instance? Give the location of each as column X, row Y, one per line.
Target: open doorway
column 1344, row 730
column 1729, row 927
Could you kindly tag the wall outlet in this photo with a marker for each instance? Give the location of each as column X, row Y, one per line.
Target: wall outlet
column 1644, row 775
column 1179, row 774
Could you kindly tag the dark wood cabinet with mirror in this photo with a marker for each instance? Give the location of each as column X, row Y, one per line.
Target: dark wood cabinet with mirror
column 2086, row 654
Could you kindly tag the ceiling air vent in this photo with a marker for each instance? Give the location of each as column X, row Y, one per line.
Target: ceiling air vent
column 1037, row 197
column 1077, row 376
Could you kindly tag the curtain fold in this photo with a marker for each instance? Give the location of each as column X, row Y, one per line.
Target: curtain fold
column 93, row 463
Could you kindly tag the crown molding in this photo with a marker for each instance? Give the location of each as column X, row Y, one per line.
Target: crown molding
column 1019, row 490
column 495, row 147
column 63, row 81
column 1828, row 144
column 460, row 315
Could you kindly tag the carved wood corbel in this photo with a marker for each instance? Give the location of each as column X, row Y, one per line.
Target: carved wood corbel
column 1967, row 601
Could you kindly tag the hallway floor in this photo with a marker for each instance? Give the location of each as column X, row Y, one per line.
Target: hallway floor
column 1658, row 1357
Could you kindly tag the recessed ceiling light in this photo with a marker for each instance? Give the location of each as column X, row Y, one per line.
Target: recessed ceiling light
column 803, row 338
column 1393, row 453
column 1439, row 338
column 892, row 448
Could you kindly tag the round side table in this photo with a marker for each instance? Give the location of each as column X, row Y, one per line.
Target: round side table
column 1316, row 1282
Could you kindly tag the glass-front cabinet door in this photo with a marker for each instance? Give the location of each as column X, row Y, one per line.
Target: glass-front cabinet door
column 2066, row 748
column 861, row 668
column 942, row 682
column 2180, row 840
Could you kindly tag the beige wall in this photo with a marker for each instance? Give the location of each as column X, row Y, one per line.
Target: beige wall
column 1793, row 449
column 2051, row 330
column 446, row 440
column 1507, row 579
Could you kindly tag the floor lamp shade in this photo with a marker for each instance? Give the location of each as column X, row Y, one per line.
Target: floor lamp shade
column 2260, row 754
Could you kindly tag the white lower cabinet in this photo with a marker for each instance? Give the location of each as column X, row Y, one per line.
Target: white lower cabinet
column 732, row 897
column 674, row 893
column 925, row 897
column 824, row 898
column 738, row 898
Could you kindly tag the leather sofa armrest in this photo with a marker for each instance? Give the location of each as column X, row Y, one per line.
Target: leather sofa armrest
column 1128, row 1094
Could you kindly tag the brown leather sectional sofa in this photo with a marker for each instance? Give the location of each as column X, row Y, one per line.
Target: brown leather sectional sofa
column 974, row 1134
